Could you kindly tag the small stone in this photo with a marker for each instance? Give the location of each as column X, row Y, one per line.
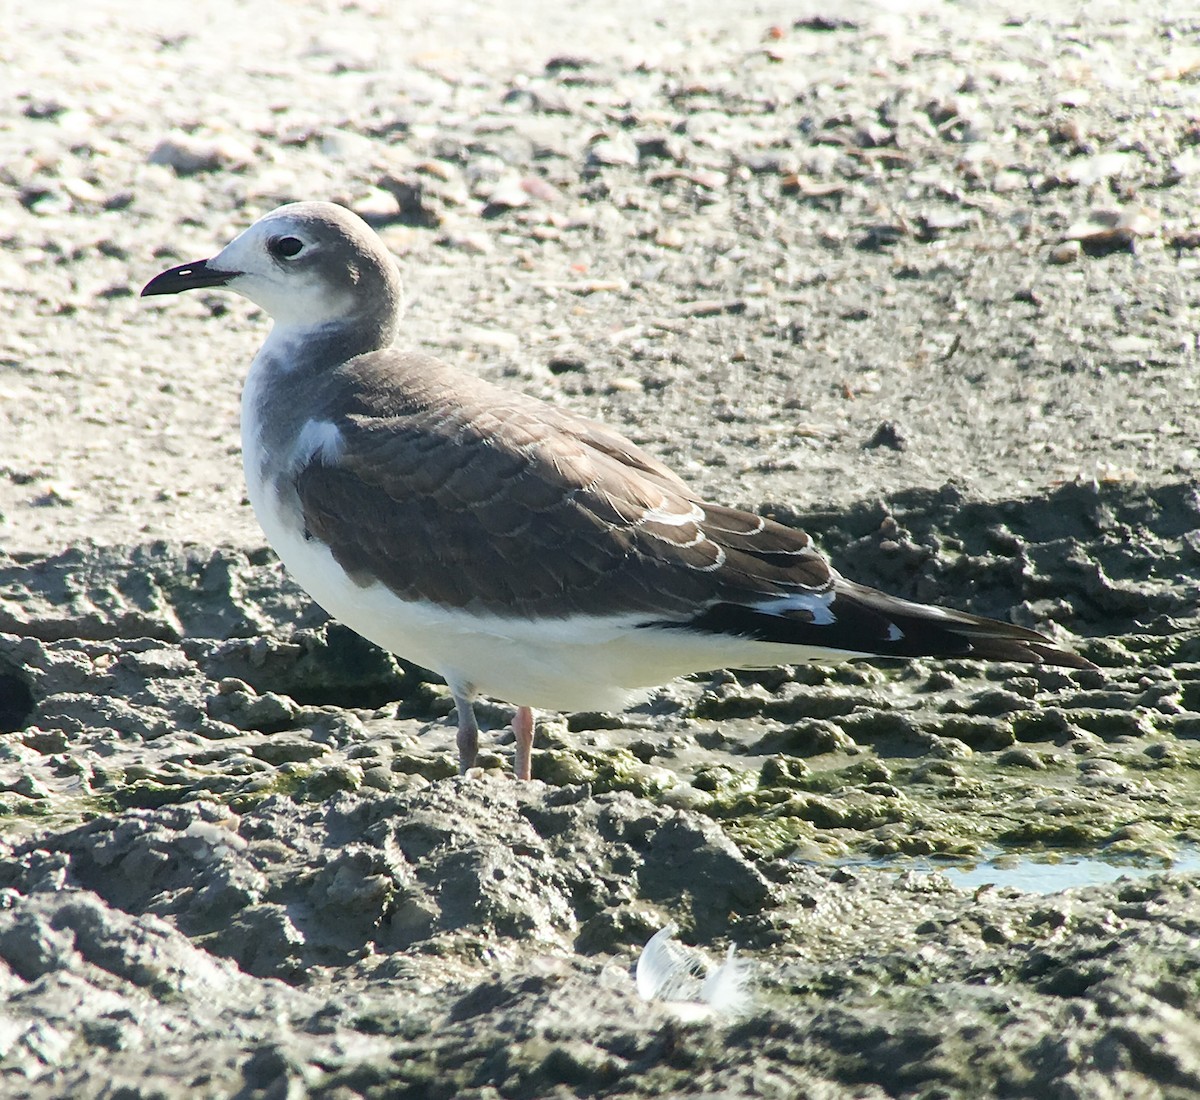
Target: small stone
column 55, row 495
column 936, row 222
column 44, row 108
column 344, row 145
column 474, row 241
column 1106, row 230
column 566, row 363
column 793, row 183
column 825, row 23
column 539, row 189
column 660, row 147
column 83, row 191
column 44, row 202
column 1065, row 253
column 625, row 384
column 1074, row 97
column 376, row 205
column 612, row 153
column 1007, row 181
column 439, row 169
column 188, row 154
column 506, row 194
column 879, row 237
column 888, row 434
column 379, row 777
column 774, row 161
column 572, row 63
column 1091, row 170
column 267, row 713
column 228, row 685
column 668, row 236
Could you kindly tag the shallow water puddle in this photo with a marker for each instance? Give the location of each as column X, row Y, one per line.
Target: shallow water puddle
column 1043, row 874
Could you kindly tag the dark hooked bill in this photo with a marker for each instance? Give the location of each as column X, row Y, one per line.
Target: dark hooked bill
column 187, row 277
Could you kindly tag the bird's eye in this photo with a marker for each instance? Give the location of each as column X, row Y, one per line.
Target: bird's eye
column 285, row 248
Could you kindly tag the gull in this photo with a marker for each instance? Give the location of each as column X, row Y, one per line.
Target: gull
column 515, row 548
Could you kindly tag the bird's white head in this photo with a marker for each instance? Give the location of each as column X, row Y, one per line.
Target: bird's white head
column 310, row 265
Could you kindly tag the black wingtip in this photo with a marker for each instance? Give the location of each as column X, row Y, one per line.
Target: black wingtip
column 861, row 622
column 1026, row 651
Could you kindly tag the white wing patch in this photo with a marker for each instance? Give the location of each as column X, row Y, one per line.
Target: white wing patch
column 320, row 441
column 817, row 604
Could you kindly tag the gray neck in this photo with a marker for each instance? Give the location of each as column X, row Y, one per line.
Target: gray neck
column 320, row 349
column 295, row 379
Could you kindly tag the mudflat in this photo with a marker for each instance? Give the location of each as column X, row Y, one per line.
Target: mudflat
column 919, row 278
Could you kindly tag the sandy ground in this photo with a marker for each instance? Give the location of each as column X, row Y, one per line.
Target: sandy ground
column 750, row 252
column 919, row 277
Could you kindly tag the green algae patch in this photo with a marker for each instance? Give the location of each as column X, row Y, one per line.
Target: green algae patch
column 1015, row 799
column 1056, row 761
column 724, row 781
column 322, row 783
column 604, row 770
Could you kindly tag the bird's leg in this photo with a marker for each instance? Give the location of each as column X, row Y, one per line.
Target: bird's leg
column 522, row 726
column 468, row 732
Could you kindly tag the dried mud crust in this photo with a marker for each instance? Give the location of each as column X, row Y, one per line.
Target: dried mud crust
column 473, row 939
column 222, row 808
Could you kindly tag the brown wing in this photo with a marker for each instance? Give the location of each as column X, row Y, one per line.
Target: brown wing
column 455, row 491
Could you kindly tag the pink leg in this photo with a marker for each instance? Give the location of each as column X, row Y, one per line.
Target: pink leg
column 522, row 726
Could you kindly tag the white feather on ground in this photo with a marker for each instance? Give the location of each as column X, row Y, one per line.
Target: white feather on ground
column 686, row 981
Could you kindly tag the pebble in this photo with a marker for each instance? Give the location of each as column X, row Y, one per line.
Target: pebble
column 1006, row 181
column 188, row 154
column 506, row 194
column 669, row 236
column 83, row 191
column 612, row 153
column 375, row 205
column 476, row 241
column 1067, row 252
column 1117, row 227
column 46, row 107
column 1074, row 97
column 1087, row 171
column 343, row 145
